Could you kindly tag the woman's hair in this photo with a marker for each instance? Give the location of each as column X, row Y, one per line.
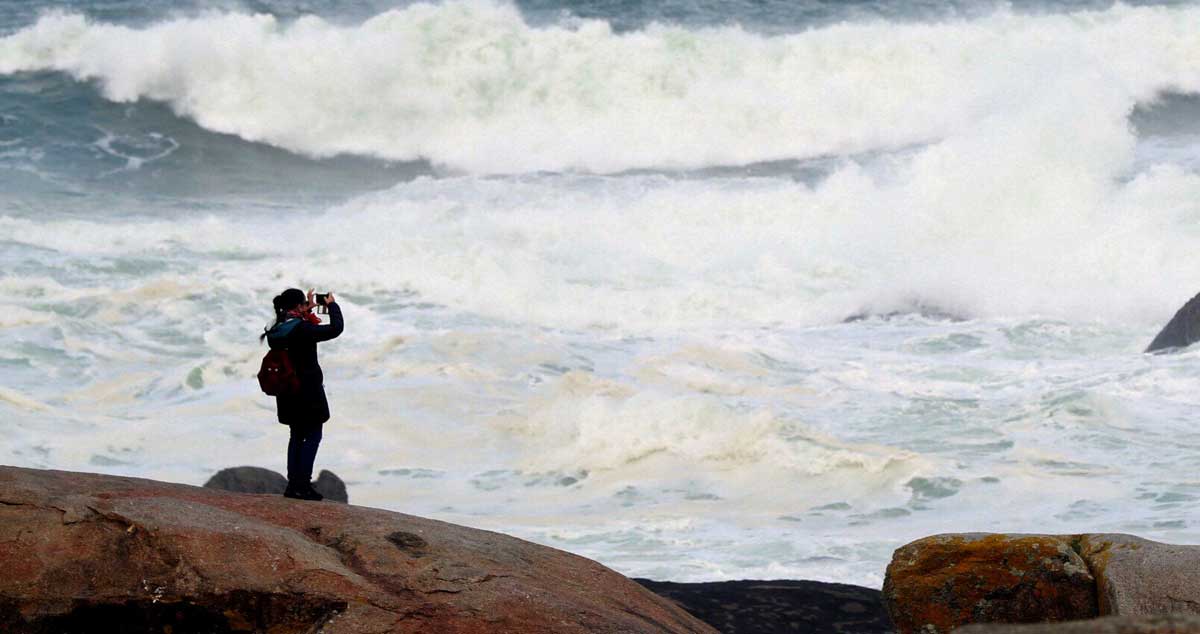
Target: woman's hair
column 284, row 302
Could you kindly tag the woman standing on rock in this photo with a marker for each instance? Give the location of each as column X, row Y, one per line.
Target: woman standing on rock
column 297, row 331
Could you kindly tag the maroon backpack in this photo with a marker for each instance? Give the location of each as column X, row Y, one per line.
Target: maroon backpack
column 276, row 376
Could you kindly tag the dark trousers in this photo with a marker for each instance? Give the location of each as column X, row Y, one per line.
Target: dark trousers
column 302, row 452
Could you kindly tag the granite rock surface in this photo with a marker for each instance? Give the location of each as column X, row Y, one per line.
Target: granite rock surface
column 940, row 583
column 1136, row 576
column 79, row 549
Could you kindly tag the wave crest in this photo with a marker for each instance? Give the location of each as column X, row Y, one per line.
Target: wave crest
column 471, row 85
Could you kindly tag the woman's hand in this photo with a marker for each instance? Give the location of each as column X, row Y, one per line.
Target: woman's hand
column 329, row 298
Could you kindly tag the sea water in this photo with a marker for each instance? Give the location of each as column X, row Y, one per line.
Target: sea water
column 701, row 290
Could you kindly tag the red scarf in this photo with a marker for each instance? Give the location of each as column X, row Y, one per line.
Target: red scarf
column 306, row 315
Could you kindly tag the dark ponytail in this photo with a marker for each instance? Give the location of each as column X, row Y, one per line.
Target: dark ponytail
column 284, row 302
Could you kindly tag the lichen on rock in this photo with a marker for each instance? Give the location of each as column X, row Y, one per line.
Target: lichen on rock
column 938, row 583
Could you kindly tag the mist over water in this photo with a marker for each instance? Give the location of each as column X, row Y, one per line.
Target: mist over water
column 701, row 292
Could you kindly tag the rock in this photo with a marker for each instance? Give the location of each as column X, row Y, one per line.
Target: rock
column 138, row 555
column 952, row 580
column 332, row 487
column 909, row 308
column 938, row 583
column 247, row 480
column 1155, row 624
column 1136, row 576
column 768, row 607
column 260, row 480
column 1183, row 330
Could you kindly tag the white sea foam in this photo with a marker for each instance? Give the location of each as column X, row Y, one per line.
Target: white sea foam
column 1028, row 196
column 594, row 424
column 645, row 368
column 1038, row 235
column 470, row 84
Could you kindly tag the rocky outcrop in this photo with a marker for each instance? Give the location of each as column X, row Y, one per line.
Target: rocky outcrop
column 138, row 555
column 943, row 582
column 1183, row 330
column 260, row 480
column 1136, row 576
column 1177, row 623
column 772, row 607
column 939, row 583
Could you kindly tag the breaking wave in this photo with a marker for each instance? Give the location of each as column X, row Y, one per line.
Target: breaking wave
column 471, row 85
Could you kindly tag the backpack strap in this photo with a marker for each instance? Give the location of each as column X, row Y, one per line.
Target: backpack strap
column 283, row 330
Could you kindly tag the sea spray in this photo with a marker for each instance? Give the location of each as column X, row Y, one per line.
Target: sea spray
column 470, row 85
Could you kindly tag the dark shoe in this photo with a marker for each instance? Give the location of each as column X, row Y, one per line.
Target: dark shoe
column 301, row 492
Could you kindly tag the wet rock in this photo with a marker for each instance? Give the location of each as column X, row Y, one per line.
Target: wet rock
column 138, row 555
column 260, row 480
column 936, row 584
column 911, row 307
column 1136, row 576
column 1155, row 624
column 1183, row 330
column 773, row 607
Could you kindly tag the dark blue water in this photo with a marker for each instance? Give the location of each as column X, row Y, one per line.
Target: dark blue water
column 71, row 144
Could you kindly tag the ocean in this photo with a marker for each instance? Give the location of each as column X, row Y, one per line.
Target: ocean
column 701, row 290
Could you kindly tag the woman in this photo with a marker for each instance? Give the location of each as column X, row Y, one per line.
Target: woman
column 298, row 331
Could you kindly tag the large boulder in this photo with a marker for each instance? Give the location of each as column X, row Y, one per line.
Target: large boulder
column 260, row 480
column 1183, row 330
column 1136, row 576
column 1177, row 623
column 138, row 555
column 936, row 584
column 939, row 583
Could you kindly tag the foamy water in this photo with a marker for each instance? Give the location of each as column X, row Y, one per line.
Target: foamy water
column 597, row 279
column 471, row 86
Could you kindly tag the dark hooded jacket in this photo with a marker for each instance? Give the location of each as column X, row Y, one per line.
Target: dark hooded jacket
column 300, row 338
